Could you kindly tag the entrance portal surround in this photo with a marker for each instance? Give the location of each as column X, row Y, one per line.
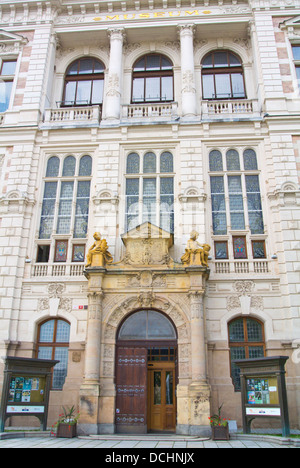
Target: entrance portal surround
column 139, row 283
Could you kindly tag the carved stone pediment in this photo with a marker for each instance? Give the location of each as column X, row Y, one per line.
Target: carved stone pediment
column 147, row 245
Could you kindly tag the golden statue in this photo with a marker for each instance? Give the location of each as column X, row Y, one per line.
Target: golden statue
column 98, row 255
column 195, row 253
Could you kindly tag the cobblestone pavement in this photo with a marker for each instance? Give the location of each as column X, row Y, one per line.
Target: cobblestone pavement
column 136, row 443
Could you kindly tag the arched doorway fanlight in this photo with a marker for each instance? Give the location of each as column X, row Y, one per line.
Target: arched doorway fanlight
column 147, row 325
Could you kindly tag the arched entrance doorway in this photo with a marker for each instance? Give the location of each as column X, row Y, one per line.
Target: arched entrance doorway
column 146, row 373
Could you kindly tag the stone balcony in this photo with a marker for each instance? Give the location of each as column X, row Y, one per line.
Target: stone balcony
column 257, row 267
column 230, row 109
column 56, row 269
column 148, row 113
column 83, row 116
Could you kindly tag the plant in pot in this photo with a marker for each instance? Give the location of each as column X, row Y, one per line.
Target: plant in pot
column 66, row 426
column 219, row 426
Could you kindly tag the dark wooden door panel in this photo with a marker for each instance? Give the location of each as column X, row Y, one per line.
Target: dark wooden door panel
column 131, row 387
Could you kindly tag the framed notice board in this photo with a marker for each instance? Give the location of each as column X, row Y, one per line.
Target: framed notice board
column 263, row 390
column 26, row 389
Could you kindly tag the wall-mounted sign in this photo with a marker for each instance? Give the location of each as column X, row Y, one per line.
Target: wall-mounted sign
column 157, row 14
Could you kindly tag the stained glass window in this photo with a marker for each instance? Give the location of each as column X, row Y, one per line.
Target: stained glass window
column 167, row 204
column 236, row 193
column 246, row 341
column 236, row 203
column 69, row 166
column 65, row 208
column 78, row 253
column 85, row 166
column 259, row 249
column 149, row 163
column 215, row 161
column 250, row 160
column 53, row 343
column 150, row 197
column 254, row 205
column 132, row 203
column 48, row 207
column 218, row 205
column 61, row 251
column 239, row 247
column 166, row 162
column 82, row 209
column 133, row 163
column 149, row 200
column 221, row 250
column 52, row 167
column 233, row 160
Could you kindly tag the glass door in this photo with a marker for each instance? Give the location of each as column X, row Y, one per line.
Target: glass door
column 161, row 396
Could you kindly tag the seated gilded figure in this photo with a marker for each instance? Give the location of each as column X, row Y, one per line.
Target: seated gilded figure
column 196, row 254
column 98, row 255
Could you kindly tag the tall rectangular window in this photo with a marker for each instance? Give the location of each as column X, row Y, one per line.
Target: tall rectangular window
column 7, row 73
column 296, row 53
column 65, row 206
column 150, row 190
column 236, row 202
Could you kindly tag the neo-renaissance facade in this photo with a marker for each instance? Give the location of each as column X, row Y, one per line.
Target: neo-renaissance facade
column 150, row 203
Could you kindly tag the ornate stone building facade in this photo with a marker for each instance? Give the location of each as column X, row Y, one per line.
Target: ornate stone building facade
column 170, row 128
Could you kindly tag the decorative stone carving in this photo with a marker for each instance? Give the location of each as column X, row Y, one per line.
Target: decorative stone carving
column 55, row 302
column 196, row 254
column 98, row 255
column 244, row 301
column 147, row 245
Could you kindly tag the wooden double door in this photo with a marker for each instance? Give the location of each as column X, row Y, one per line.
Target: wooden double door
column 145, row 391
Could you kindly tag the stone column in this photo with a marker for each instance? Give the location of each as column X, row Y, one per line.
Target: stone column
column 90, row 389
column 189, row 105
column 199, row 373
column 93, row 341
column 113, row 85
column 199, row 390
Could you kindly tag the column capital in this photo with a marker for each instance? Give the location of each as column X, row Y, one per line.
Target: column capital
column 116, row 33
column 187, row 29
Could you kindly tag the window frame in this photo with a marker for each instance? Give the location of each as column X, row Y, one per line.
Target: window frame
column 152, row 74
column 227, row 70
column 80, row 77
column 59, row 179
column 246, row 344
column 220, row 171
column 141, row 176
column 296, row 62
column 8, row 79
column 52, row 344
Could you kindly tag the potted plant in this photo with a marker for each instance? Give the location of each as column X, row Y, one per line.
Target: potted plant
column 66, row 426
column 219, row 426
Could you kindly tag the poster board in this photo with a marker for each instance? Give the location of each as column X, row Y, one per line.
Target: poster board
column 26, row 389
column 263, row 390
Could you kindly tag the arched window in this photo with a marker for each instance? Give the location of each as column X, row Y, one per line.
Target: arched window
column 84, row 83
column 147, row 325
column 53, row 343
column 52, row 167
column 152, row 79
column 222, row 76
column 246, row 341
